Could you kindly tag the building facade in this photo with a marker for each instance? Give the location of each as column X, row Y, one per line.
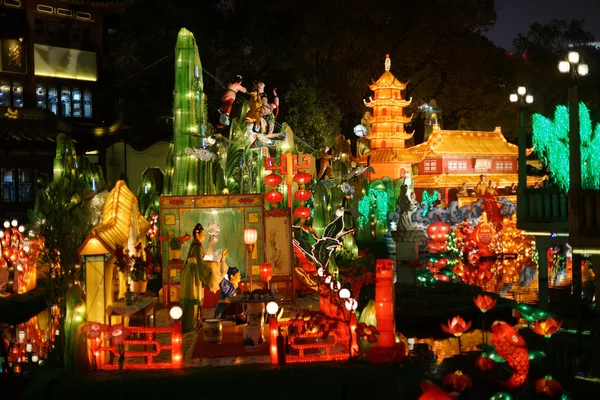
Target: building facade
column 52, row 80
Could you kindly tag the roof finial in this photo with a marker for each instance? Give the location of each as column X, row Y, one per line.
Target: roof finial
column 388, row 62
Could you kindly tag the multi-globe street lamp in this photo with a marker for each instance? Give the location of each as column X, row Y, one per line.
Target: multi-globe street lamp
column 522, row 99
column 576, row 68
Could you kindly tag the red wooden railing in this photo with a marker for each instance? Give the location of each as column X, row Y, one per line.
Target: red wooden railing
column 112, row 351
column 332, row 340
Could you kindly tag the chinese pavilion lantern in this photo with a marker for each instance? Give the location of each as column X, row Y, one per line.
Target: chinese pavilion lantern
column 302, row 178
column 302, row 212
column 438, row 231
column 273, row 179
column 274, row 196
column 302, row 195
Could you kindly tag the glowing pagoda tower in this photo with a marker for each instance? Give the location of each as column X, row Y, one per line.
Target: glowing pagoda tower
column 388, row 155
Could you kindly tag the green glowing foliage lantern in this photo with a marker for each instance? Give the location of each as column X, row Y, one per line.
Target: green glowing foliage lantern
column 502, row 396
column 551, row 144
column 199, row 173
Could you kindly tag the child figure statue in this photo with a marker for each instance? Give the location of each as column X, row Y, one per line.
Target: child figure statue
column 228, row 98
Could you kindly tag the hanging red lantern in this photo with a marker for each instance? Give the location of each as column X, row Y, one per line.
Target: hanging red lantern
column 302, row 178
column 274, row 196
column 438, row 231
column 302, row 212
column 273, row 179
column 302, row 195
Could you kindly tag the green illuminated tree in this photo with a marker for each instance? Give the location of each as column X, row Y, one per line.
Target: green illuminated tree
column 551, row 144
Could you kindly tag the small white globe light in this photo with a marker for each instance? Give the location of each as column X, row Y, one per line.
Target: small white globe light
column 573, row 57
column 583, row 69
column 564, row 67
column 320, row 271
column 6, row 224
column 328, row 279
column 176, row 313
column 521, row 90
column 34, row 358
column 345, row 294
column 272, row 307
column 335, row 286
column 14, row 223
column 339, row 212
column 529, row 99
column 351, row 304
column 513, row 98
column 21, row 229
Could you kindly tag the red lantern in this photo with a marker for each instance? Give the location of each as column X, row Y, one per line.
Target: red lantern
column 438, row 231
column 266, row 272
column 274, row 196
column 302, row 195
column 302, row 178
column 273, row 179
column 302, row 212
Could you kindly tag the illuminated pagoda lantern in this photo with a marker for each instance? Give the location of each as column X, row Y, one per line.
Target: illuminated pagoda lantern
column 387, row 140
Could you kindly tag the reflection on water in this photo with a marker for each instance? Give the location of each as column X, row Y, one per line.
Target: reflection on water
column 446, row 348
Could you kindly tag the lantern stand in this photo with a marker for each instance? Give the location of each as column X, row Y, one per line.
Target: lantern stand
column 250, row 237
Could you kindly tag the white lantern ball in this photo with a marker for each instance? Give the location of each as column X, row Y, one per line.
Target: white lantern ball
column 272, row 307
column 14, row 223
column 176, row 312
column 345, row 294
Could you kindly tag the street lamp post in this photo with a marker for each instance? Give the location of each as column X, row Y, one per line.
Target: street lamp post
column 575, row 69
column 522, row 99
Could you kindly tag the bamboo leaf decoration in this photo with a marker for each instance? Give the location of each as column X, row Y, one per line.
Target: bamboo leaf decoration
column 319, row 250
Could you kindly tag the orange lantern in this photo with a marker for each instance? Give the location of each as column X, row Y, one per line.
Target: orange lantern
column 273, row 179
column 302, row 178
column 274, row 196
column 302, row 195
column 438, row 231
column 302, row 212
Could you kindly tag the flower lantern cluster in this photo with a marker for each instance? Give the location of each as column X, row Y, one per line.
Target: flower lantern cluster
column 438, row 232
column 14, row 251
column 153, row 231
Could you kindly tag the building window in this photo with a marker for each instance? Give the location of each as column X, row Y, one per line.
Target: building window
column 26, row 178
column 384, row 111
column 11, row 94
column 53, row 100
column 87, row 104
column 7, row 185
column 38, row 26
column 4, row 93
column 65, row 102
column 430, row 166
column 504, row 165
column 462, row 165
column 18, row 185
column 76, row 103
column 40, row 96
column 17, row 94
column 452, row 165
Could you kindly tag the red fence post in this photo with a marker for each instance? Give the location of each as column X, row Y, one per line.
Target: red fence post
column 273, row 331
column 176, row 345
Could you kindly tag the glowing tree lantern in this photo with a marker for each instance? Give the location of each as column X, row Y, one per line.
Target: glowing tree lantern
column 14, row 256
column 250, row 238
column 266, row 272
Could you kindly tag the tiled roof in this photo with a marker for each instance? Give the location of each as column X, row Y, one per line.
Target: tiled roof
column 26, row 127
column 466, row 143
column 455, row 180
column 391, row 154
column 386, row 81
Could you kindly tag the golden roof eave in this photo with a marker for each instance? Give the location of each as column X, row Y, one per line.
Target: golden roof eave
column 456, row 180
column 389, row 155
column 387, row 81
column 387, row 103
column 444, row 143
column 117, row 217
column 401, row 119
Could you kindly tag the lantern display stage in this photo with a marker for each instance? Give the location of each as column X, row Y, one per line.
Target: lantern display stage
column 233, row 213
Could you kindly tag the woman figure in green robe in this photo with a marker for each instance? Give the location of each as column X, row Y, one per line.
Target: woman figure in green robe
column 197, row 272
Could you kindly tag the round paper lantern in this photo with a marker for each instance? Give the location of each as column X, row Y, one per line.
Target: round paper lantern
column 302, row 195
column 438, row 231
column 302, row 212
column 272, row 307
column 273, row 179
column 344, row 294
column 176, row 312
column 274, row 196
column 302, row 178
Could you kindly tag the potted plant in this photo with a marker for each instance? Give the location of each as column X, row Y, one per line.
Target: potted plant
column 175, row 248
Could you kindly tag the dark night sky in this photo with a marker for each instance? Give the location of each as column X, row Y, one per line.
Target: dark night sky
column 516, row 16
